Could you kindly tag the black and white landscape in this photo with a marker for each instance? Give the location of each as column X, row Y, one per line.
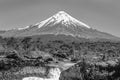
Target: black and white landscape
column 79, row 41
column 59, row 48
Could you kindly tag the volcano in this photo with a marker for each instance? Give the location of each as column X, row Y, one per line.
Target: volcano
column 60, row 24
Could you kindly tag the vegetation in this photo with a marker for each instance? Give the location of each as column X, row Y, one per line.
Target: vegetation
column 88, row 71
column 100, row 60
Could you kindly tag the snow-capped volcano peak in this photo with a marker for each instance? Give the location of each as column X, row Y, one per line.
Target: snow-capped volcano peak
column 63, row 18
column 60, row 24
column 67, row 19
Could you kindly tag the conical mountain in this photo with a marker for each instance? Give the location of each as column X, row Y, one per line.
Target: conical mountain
column 60, row 24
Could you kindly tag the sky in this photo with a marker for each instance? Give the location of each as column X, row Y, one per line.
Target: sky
column 103, row 15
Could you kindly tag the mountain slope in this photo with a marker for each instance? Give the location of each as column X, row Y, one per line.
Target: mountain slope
column 60, row 23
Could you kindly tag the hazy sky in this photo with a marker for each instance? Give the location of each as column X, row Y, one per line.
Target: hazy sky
column 103, row 15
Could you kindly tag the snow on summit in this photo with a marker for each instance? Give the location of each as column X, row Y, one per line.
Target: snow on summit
column 67, row 19
column 63, row 18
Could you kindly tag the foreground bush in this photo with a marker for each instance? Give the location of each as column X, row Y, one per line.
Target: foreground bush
column 96, row 71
